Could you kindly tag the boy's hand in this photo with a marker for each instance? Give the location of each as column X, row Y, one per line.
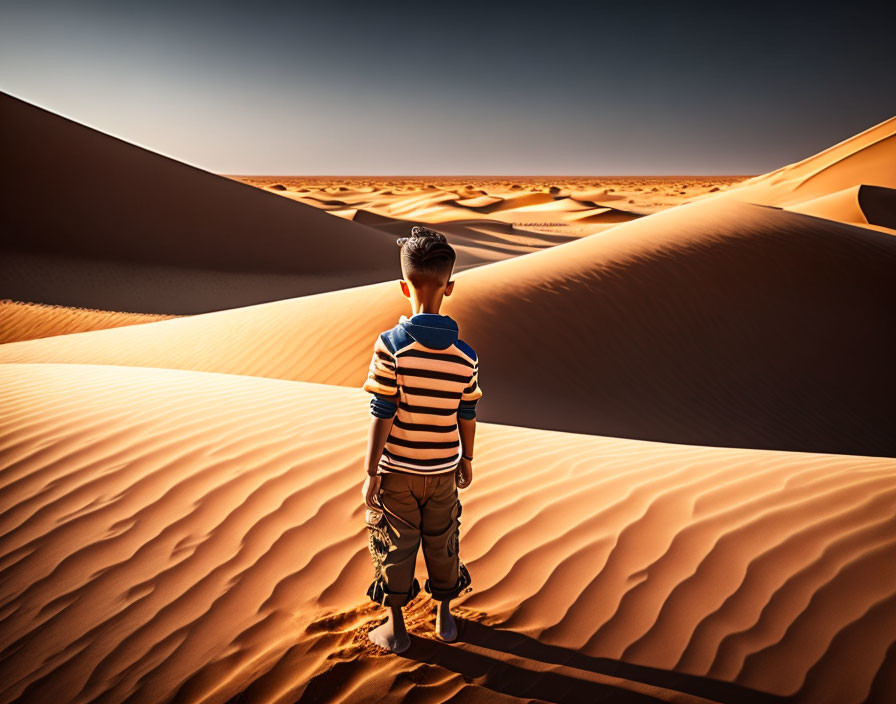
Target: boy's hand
column 463, row 476
column 371, row 492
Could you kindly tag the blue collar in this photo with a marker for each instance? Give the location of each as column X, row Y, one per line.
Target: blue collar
column 431, row 330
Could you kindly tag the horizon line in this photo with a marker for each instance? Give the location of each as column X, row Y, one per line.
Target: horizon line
column 492, row 176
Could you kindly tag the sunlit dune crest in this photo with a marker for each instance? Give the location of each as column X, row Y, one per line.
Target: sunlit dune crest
column 30, row 321
column 867, row 159
column 763, row 352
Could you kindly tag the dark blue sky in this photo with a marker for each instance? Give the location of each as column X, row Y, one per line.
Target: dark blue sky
column 458, row 88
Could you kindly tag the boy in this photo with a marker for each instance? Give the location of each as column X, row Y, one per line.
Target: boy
column 425, row 385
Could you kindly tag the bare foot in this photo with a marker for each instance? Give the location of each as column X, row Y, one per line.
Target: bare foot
column 446, row 626
column 392, row 635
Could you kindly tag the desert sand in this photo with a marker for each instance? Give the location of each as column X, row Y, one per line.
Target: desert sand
column 132, row 230
column 687, row 494
column 190, row 535
column 715, row 323
column 575, row 206
column 30, row 321
column 864, row 159
column 489, row 219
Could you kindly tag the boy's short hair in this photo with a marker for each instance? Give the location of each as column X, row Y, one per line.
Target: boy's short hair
column 426, row 257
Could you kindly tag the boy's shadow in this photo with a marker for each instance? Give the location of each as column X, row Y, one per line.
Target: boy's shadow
column 483, row 657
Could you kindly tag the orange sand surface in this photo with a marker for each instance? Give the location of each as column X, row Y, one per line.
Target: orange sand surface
column 763, row 352
column 853, row 181
column 180, row 509
column 177, row 534
column 29, row 321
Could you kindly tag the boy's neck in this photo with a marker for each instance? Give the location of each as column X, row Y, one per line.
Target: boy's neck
column 418, row 306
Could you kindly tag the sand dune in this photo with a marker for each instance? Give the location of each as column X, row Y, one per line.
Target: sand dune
column 867, row 158
column 30, row 321
column 144, row 288
column 866, row 206
column 203, row 537
column 177, row 528
column 714, row 323
column 121, row 215
column 476, row 242
column 601, row 215
column 528, row 203
column 139, row 232
column 878, row 205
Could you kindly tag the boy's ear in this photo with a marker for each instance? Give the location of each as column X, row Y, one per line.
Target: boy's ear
column 404, row 288
column 449, row 288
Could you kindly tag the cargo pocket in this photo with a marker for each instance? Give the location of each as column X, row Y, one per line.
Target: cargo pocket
column 378, row 541
column 453, row 545
column 464, row 580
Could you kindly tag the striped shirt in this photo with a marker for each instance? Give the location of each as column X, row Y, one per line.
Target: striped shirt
column 424, row 377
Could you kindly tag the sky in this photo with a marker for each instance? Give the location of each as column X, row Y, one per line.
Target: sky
column 509, row 88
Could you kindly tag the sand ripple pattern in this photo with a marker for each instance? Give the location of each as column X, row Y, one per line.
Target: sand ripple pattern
column 30, row 321
column 176, row 535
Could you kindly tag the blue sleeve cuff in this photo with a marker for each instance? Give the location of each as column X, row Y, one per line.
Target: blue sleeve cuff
column 382, row 406
column 467, row 410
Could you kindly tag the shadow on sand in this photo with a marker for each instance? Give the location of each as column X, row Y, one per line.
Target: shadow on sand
column 553, row 674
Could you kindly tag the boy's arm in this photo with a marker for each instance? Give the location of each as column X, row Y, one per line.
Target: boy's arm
column 464, row 473
column 382, row 382
column 466, row 423
column 466, row 410
column 467, row 427
column 376, row 439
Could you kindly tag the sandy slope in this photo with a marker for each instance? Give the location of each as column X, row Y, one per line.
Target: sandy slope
column 867, row 158
column 30, row 321
column 80, row 194
column 476, row 241
column 177, row 533
column 866, row 206
column 716, row 323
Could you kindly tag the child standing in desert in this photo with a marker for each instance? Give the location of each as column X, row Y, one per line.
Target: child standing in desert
column 425, row 385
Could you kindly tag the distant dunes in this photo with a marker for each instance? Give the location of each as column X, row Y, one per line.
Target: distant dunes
column 149, row 234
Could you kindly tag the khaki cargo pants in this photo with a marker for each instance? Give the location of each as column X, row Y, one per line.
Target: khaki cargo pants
column 416, row 508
